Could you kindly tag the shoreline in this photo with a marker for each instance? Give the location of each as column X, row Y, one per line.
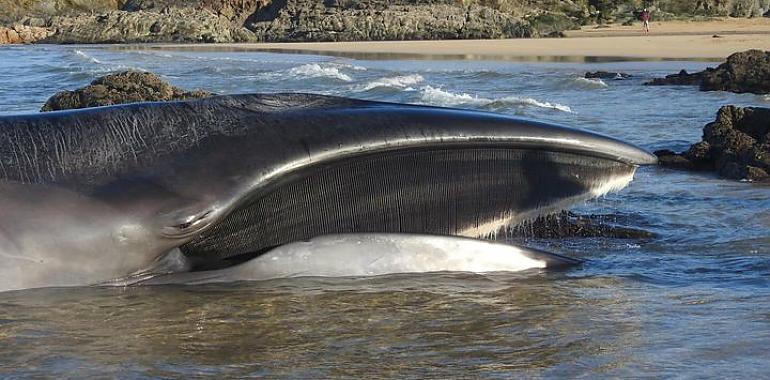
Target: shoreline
column 675, row 40
column 682, row 47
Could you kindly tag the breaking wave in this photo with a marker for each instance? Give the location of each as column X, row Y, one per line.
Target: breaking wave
column 587, row 83
column 439, row 97
column 399, row 82
column 87, row 57
column 314, row 70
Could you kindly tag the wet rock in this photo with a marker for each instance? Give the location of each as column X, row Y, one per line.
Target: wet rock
column 123, row 87
column 606, row 75
column 569, row 224
column 747, row 71
column 683, row 78
column 671, row 159
column 700, row 153
column 736, row 146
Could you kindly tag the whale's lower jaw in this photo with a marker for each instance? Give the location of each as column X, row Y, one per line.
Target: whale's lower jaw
column 357, row 255
column 472, row 192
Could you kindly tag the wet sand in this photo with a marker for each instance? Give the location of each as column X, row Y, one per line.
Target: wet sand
column 668, row 40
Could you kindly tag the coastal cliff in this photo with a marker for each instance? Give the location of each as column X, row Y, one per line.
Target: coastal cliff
column 125, row 21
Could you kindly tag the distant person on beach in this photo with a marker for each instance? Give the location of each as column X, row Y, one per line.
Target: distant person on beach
column 646, row 20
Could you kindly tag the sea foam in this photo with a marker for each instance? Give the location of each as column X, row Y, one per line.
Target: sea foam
column 87, row 57
column 439, row 97
column 398, row 82
column 314, row 70
column 588, row 83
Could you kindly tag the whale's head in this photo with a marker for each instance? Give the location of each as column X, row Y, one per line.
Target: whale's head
column 317, row 165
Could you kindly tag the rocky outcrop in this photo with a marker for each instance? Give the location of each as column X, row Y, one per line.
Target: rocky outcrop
column 736, row 145
column 175, row 25
column 109, row 21
column 234, row 11
column 289, row 20
column 123, row 87
column 614, row 10
column 347, row 20
column 14, row 10
column 732, row 8
column 747, row 71
column 22, row 34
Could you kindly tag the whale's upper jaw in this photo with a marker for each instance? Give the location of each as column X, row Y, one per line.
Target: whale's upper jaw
column 427, row 126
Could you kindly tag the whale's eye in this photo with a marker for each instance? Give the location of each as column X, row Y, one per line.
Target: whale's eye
column 186, row 225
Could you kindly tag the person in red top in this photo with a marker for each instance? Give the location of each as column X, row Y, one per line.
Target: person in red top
column 646, row 20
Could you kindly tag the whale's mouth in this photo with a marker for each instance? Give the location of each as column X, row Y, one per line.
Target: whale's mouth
column 460, row 191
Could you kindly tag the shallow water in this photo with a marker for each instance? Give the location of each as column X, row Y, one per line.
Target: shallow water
column 693, row 302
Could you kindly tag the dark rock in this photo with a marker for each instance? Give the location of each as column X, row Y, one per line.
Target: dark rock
column 675, row 160
column 123, row 87
column 747, row 71
column 568, row 224
column 700, row 152
column 683, row 78
column 698, row 157
column 606, row 75
column 736, row 146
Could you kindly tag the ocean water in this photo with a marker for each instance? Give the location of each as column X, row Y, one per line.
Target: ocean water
column 693, row 302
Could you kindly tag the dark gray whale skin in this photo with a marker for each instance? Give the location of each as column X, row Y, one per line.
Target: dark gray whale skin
column 235, row 175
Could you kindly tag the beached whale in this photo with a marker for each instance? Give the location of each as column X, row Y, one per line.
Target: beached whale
column 88, row 196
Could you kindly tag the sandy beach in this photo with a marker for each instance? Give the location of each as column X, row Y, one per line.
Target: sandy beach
column 668, row 40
